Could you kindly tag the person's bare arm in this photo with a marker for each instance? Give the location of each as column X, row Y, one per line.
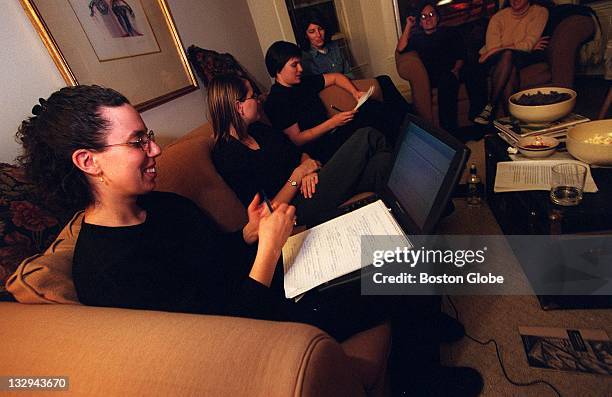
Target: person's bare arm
column 404, row 39
column 299, row 137
column 340, row 80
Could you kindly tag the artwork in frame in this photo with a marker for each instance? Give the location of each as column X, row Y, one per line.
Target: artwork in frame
column 115, row 29
column 129, row 45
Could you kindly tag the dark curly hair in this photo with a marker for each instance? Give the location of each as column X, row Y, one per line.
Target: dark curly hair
column 68, row 120
column 314, row 18
column 279, row 54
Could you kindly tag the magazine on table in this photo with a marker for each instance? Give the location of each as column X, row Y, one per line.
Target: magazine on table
column 576, row 350
column 517, row 129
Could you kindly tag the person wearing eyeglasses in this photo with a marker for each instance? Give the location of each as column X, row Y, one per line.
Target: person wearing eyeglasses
column 443, row 54
column 251, row 156
column 87, row 148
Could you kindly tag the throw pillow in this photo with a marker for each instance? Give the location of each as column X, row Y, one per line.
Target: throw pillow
column 26, row 227
column 47, row 277
column 208, row 64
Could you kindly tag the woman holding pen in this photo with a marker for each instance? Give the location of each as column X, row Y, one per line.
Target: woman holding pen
column 251, row 156
column 294, row 107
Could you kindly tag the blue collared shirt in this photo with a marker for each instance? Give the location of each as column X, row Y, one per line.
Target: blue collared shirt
column 330, row 61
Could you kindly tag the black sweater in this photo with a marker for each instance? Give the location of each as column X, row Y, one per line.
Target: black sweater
column 175, row 261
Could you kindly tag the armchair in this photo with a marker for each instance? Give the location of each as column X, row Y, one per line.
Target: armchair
column 558, row 70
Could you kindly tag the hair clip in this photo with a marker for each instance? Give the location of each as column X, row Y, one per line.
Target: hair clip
column 38, row 109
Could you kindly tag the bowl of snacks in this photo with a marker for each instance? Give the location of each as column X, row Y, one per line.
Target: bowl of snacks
column 542, row 105
column 591, row 142
column 537, row 146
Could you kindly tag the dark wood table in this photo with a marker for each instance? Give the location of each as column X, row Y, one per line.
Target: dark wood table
column 532, row 212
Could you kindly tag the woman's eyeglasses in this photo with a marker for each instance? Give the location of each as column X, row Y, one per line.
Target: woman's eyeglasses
column 254, row 96
column 430, row 14
column 142, row 143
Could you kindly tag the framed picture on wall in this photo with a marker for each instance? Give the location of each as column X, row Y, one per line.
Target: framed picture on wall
column 129, row 45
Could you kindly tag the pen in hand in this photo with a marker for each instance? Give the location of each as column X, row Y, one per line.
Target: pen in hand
column 266, row 200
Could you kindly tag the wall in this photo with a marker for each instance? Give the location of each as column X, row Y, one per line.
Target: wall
column 369, row 26
column 272, row 22
column 29, row 73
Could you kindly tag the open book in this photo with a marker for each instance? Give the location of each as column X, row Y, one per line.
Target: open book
column 333, row 249
column 364, row 97
column 513, row 176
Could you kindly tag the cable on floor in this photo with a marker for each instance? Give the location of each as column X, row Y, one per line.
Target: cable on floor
column 501, row 364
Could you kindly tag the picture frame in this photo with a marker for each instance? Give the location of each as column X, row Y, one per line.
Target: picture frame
column 131, row 46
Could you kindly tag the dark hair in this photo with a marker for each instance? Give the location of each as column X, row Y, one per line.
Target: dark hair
column 279, row 54
column 314, row 18
column 433, row 5
column 68, row 120
column 223, row 93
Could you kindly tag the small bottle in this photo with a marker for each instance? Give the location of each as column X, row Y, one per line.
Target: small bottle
column 474, row 187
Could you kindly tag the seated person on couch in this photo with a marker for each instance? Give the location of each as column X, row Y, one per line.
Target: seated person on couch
column 322, row 55
column 251, row 156
column 294, row 107
column 86, row 146
column 514, row 40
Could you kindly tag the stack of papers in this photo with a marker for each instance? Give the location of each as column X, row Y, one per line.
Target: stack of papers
column 515, row 176
column 511, row 129
column 333, row 249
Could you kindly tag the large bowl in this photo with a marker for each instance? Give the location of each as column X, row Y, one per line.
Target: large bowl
column 537, row 146
column 590, row 153
column 539, row 114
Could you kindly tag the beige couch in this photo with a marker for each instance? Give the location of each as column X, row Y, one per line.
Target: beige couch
column 558, row 70
column 120, row 352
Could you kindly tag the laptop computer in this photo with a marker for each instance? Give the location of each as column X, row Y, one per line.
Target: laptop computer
column 427, row 165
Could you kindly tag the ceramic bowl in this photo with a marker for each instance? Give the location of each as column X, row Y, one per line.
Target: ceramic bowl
column 539, row 114
column 537, row 146
column 586, row 142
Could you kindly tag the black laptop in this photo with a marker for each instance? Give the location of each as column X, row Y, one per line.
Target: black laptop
column 427, row 165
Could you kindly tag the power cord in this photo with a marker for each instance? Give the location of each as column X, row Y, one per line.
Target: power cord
column 501, row 364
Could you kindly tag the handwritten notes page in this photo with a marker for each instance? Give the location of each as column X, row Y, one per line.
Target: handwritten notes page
column 364, row 97
column 333, row 249
column 515, row 176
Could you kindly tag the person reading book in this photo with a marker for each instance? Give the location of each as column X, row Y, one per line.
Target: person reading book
column 251, row 156
column 294, row 107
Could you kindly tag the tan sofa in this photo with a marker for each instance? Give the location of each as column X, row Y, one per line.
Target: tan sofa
column 120, row 352
column 559, row 69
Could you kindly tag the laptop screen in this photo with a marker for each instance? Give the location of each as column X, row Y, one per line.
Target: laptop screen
column 428, row 163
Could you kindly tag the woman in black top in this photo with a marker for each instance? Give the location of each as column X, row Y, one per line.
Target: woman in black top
column 87, row 147
column 295, row 108
column 251, row 156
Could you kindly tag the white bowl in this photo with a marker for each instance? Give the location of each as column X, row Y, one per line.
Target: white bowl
column 537, row 146
column 542, row 113
column 590, row 153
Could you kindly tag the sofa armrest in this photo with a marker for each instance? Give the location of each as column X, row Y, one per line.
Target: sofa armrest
column 566, row 39
column 118, row 352
column 410, row 67
column 336, row 96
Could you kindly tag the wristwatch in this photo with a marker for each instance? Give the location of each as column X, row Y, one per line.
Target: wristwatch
column 292, row 183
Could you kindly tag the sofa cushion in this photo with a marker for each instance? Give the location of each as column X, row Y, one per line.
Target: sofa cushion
column 47, row 277
column 26, row 227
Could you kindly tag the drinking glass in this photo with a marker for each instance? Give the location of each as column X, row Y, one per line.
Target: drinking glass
column 567, row 183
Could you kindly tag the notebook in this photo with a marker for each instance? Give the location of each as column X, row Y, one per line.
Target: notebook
column 427, row 164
